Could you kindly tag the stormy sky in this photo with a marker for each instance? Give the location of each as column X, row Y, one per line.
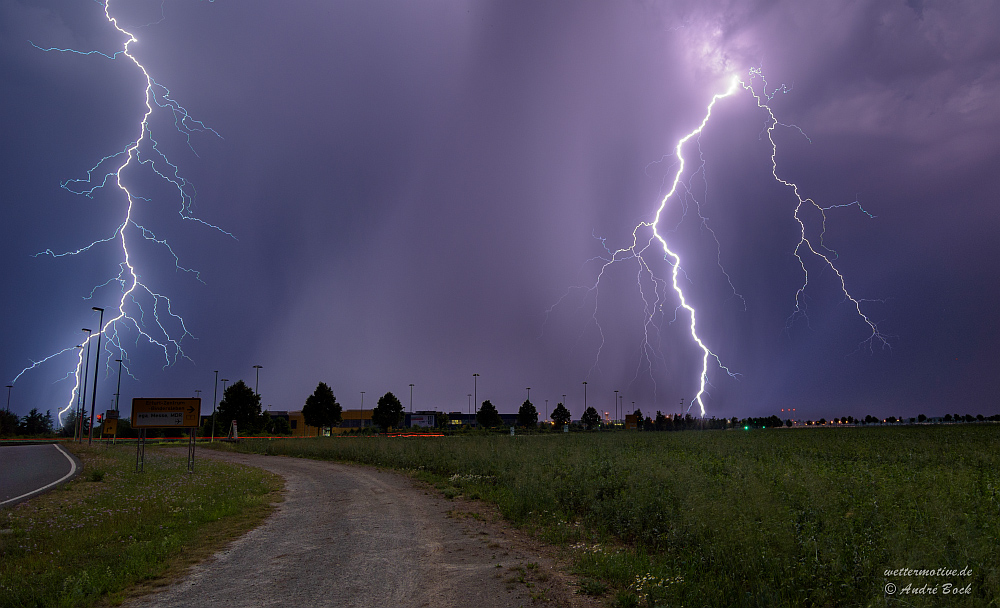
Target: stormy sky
column 420, row 191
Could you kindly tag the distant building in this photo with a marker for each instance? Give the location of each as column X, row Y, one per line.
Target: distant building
column 297, row 422
column 355, row 419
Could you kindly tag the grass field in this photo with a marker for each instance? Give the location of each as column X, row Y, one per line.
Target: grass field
column 110, row 531
column 731, row 518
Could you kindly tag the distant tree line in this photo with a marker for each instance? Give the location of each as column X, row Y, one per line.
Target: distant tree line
column 34, row 423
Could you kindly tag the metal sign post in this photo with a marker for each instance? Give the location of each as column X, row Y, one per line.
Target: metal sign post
column 165, row 414
column 191, row 451
column 140, row 451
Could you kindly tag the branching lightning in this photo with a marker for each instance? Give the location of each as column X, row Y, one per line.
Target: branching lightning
column 649, row 238
column 142, row 310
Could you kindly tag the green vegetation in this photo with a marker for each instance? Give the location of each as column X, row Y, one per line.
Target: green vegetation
column 321, row 408
column 110, row 529
column 241, row 404
column 527, row 415
column 34, row 423
column 488, row 416
column 732, row 518
column 388, row 412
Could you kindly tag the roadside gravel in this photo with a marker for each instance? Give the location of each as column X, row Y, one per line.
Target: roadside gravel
column 349, row 535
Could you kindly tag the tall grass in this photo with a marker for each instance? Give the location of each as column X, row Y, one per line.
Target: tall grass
column 110, row 528
column 764, row 518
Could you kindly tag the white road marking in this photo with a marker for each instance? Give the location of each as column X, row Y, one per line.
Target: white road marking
column 72, row 470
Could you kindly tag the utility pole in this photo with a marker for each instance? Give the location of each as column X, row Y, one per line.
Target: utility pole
column 215, row 400
column 86, row 378
column 475, row 389
column 97, row 372
column 256, row 384
column 118, row 390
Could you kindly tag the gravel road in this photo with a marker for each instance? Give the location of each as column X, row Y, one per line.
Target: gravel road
column 353, row 536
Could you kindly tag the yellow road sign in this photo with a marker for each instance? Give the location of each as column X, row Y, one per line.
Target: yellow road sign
column 165, row 413
column 109, row 427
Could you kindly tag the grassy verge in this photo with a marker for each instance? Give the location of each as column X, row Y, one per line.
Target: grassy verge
column 112, row 533
column 767, row 518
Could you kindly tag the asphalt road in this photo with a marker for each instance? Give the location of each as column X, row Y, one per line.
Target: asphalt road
column 28, row 470
column 351, row 536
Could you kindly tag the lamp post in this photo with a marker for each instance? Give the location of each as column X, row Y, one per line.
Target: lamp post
column 475, row 387
column 86, row 377
column 9, row 386
column 616, row 405
column 197, row 393
column 411, row 397
column 118, row 390
column 97, row 364
column 546, row 409
column 256, row 384
column 470, row 403
column 529, row 394
column 584, row 395
column 215, row 399
column 361, row 420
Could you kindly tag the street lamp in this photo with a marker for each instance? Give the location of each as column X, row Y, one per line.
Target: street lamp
column 616, row 404
column 470, row 403
column 546, row 409
column 215, row 399
column 97, row 363
column 119, row 389
column 197, row 393
column 257, row 382
column 584, row 395
column 529, row 394
column 361, row 421
column 9, row 386
column 86, row 377
column 475, row 387
column 411, row 397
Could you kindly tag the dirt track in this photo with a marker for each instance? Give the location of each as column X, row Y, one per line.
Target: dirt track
column 355, row 536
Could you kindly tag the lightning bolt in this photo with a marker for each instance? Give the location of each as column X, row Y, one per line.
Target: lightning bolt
column 805, row 245
column 648, row 238
column 142, row 310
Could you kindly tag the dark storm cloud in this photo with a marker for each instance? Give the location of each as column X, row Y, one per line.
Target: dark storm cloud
column 413, row 187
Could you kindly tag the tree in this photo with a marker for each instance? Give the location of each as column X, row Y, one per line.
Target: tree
column 590, row 418
column 35, row 423
column 388, row 412
column 660, row 423
column 527, row 415
column 280, row 426
column 561, row 415
column 488, row 416
column 8, row 423
column 321, row 408
column 241, row 404
column 69, row 429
